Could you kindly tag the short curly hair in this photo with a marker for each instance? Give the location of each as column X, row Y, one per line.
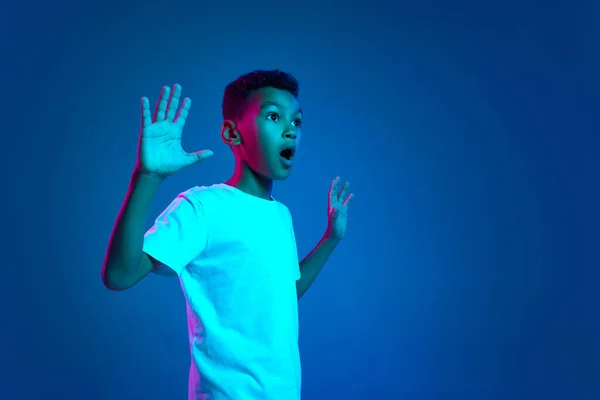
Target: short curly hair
column 237, row 92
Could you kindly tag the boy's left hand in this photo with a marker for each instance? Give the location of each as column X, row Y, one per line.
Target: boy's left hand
column 337, row 209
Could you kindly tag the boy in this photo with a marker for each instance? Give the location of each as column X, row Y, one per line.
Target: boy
column 231, row 244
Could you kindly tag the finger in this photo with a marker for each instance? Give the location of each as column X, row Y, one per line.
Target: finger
column 199, row 156
column 346, row 202
column 173, row 102
column 183, row 112
column 146, row 120
column 333, row 188
column 343, row 191
column 161, row 106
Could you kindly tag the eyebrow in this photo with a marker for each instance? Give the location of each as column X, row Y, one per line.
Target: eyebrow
column 272, row 103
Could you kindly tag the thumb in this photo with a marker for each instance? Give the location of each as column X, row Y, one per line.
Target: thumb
column 197, row 157
column 334, row 212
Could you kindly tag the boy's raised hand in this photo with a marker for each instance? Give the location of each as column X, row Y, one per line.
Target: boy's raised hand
column 337, row 209
column 160, row 152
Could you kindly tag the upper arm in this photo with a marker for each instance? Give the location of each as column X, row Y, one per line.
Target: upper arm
column 121, row 279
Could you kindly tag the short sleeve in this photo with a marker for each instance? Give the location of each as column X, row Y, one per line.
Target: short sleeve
column 179, row 233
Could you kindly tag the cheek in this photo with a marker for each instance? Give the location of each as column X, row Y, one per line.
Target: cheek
column 264, row 134
column 256, row 145
column 249, row 134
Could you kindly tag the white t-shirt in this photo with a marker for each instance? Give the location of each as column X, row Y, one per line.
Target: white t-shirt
column 236, row 257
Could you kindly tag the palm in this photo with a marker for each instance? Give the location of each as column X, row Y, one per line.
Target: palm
column 160, row 150
column 337, row 210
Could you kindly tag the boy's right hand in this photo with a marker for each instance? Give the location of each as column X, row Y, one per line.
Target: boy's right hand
column 160, row 152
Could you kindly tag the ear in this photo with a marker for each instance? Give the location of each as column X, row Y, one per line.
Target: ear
column 230, row 133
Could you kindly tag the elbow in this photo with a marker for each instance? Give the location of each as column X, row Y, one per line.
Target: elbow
column 112, row 281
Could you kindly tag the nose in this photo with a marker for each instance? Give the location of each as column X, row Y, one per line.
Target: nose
column 290, row 134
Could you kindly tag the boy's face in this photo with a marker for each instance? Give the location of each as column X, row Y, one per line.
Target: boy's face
column 270, row 133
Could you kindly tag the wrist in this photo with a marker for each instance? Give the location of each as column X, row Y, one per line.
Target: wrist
column 330, row 239
column 147, row 177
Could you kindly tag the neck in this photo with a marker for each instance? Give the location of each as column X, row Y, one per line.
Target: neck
column 248, row 181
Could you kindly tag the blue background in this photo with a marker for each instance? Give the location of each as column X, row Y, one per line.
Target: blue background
column 468, row 131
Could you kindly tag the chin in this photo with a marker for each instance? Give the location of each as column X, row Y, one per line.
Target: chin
column 272, row 172
column 281, row 175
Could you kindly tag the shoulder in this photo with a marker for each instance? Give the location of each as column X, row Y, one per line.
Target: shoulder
column 207, row 193
column 283, row 209
column 212, row 200
column 200, row 196
column 189, row 202
column 196, row 192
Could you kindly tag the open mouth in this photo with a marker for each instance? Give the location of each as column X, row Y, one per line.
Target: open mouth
column 288, row 154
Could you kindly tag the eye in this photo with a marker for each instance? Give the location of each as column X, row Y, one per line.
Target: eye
column 273, row 116
column 298, row 123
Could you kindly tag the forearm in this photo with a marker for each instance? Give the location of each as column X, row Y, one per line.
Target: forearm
column 312, row 264
column 124, row 252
